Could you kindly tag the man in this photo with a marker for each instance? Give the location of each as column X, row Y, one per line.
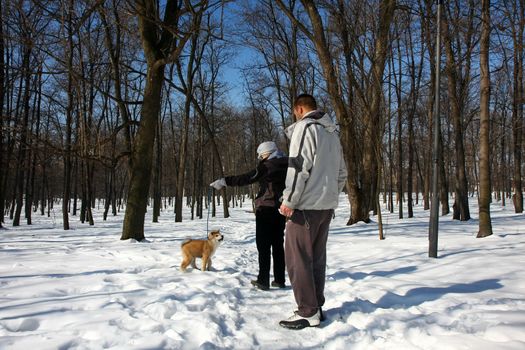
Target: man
column 269, row 224
column 316, row 175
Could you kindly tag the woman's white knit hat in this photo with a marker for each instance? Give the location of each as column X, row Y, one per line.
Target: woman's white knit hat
column 266, row 147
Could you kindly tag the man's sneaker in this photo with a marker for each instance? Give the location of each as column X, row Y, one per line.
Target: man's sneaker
column 278, row 285
column 321, row 314
column 259, row 285
column 297, row 321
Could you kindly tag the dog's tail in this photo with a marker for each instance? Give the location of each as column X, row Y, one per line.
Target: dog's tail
column 188, row 240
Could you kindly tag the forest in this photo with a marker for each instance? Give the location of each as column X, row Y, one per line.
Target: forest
column 138, row 105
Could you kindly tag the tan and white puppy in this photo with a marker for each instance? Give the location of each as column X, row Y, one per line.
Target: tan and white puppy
column 200, row 248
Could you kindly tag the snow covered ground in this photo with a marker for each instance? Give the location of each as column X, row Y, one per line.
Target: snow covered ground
column 86, row 289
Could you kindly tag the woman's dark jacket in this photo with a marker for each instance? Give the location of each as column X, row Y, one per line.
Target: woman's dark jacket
column 271, row 175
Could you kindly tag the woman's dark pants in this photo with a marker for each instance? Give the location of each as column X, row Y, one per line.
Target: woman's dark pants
column 269, row 237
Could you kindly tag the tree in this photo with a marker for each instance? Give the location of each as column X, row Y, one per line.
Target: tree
column 21, row 173
column 3, row 163
column 517, row 25
column 66, row 193
column 360, row 121
column 278, row 41
column 458, row 73
column 193, row 64
column 427, row 19
column 163, row 40
column 114, row 47
column 485, row 223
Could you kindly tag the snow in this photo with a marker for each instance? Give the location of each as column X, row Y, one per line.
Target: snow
column 86, row 289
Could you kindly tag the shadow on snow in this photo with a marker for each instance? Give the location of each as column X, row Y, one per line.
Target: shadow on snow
column 413, row 297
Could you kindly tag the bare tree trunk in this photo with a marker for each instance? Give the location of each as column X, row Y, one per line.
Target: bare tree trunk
column 45, row 192
column 158, row 42
column 108, row 191
column 66, row 194
column 9, row 99
column 11, row 149
column 179, row 193
column 216, row 158
column 200, row 171
column 30, row 187
column 216, row 153
column 399, row 152
column 517, row 106
column 427, row 18
column 74, row 171
column 461, row 207
column 390, row 156
column 157, row 174
column 410, row 169
column 362, row 182
column 426, row 162
column 194, row 61
column 174, row 158
column 399, row 164
column 114, row 51
column 398, row 89
column 503, row 168
column 415, row 82
column 3, row 163
column 443, row 181
column 22, row 150
column 379, row 213
column 142, row 156
column 485, row 222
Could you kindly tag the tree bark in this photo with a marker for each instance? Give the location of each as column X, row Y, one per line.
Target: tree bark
column 3, row 162
column 157, row 175
column 66, row 194
column 461, row 206
column 160, row 48
column 22, row 150
column 517, row 106
column 114, row 51
column 142, row 156
column 30, row 188
column 362, row 168
column 443, row 180
column 485, row 222
column 399, row 87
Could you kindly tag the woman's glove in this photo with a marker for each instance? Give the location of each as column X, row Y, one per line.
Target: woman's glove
column 218, row 184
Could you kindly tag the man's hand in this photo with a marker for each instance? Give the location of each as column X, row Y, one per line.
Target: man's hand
column 285, row 211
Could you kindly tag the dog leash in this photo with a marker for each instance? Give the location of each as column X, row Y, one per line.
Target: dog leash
column 209, row 205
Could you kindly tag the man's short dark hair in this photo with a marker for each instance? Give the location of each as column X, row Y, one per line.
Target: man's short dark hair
column 305, row 100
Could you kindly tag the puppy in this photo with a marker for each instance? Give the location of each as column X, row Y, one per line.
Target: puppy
column 200, row 248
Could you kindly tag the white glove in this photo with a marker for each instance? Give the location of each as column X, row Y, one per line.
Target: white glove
column 218, row 184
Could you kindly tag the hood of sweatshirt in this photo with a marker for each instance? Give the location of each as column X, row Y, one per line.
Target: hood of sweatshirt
column 314, row 117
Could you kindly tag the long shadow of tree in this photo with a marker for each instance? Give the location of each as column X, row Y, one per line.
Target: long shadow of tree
column 361, row 275
column 414, row 297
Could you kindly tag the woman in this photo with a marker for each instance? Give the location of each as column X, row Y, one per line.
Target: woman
column 270, row 173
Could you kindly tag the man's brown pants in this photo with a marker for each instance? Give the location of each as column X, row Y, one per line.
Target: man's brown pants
column 305, row 253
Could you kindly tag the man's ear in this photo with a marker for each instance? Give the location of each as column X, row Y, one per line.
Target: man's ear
column 299, row 110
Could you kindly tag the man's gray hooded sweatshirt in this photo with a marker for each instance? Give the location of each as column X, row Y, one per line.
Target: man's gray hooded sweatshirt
column 314, row 182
